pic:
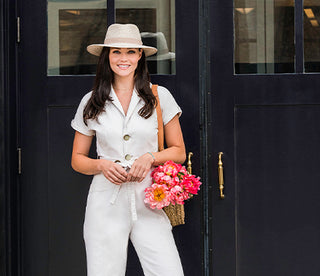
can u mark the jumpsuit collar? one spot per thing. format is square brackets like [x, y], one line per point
[135, 98]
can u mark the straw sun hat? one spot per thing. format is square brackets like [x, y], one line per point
[159, 41]
[122, 36]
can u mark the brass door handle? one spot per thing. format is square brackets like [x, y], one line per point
[189, 163]
[220, 172]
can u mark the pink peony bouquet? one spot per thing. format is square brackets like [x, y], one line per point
[171, 183]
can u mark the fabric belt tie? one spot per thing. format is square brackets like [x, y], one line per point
[131, 194]
[115, 193]
[132, 201]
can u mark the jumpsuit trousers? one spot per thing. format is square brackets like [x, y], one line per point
[117, 213]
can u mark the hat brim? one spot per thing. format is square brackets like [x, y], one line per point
[95, 49]
[166, 56]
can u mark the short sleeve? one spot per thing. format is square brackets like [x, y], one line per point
[77, 123]
[169, 106]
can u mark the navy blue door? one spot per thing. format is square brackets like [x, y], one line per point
[53, 197]
[267, 126]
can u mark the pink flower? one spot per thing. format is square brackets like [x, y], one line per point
[157, 170]
[183, 170]
[178, 195]
[157, 196]
[171, 184]
[191, 183]
[171, 168]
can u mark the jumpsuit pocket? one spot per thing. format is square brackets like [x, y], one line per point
[100, 192]
[98, 208]
[101, 183]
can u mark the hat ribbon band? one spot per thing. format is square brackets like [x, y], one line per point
[122, 40]
[162, 52]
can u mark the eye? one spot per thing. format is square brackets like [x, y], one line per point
[116, 52]
[131, 51]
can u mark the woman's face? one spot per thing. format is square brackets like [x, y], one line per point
[124, 61]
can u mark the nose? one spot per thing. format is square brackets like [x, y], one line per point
[123, 56]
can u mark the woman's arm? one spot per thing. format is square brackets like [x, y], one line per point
[80, 161]
[175, 151]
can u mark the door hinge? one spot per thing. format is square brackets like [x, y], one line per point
[18, 29]
[19, 161]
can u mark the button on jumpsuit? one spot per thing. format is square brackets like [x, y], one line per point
[116, 213]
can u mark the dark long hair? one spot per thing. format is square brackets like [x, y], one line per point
[102, 87]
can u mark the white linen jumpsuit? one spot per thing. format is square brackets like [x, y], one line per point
[115, 213]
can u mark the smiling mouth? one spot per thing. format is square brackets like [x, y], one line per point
[123, 66]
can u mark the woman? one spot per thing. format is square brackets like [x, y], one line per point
[120, 112]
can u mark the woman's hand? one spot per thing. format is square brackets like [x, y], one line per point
[113, 171]
[140, 168]
[82, 163]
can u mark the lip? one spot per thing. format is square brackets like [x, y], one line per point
[123, 66]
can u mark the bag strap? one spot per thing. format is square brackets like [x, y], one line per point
[159, 117]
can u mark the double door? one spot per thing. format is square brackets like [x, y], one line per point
[262, 114]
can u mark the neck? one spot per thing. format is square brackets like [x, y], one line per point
[123, 84]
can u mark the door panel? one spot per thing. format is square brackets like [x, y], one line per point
[53, 196]
[66, 197]
[276, 187]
